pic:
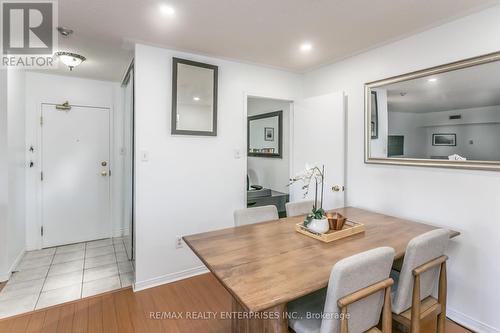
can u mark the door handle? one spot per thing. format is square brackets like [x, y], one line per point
[104, 173]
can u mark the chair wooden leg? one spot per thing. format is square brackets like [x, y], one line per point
[415, 307]
[442, 299]
[387, 312]
[343, 320]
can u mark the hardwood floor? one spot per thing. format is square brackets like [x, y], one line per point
[126, 311]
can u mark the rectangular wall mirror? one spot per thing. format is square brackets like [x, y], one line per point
[445, 116]
[265, 134]
[194, 98]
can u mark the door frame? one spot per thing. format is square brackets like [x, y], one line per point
[38, 184]
[126, 79]
[291, 101]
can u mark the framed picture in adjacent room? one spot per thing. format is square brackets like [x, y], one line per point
[268, 134]
[444, 139]
[271, 125]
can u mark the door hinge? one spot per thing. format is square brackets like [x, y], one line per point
[41, 230]
[41, 120]
[41, 176]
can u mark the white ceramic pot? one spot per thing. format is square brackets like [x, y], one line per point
[320, 226]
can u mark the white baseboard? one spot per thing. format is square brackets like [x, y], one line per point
[120, 232]
[4, 276]
[141, 285]
[470, 323]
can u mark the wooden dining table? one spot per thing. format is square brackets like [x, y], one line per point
[266, 265]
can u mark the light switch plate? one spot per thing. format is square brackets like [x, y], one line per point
[144, 155]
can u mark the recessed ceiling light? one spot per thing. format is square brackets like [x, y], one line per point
[167, 10]
[432, 79]
[196, 98]
[306, 47]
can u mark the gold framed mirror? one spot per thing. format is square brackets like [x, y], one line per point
[446, 116]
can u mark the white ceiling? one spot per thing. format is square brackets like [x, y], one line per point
[471, 87]
[267, 32]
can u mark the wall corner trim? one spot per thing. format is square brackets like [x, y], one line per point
[4, 276]
[470, 323]
[168, 278]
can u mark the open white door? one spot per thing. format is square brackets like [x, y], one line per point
[75, 169]
[319, 139]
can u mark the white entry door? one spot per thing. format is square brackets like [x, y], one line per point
[319, 139]
[75, 174]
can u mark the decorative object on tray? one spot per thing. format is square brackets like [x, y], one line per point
[350, 228]
[316, 221]
[336, 220]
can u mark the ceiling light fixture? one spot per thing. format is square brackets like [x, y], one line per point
[167, 10]
[306, 47]
[196, 98]
[70, 59]
[432, 79]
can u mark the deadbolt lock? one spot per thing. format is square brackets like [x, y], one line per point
[104, 163]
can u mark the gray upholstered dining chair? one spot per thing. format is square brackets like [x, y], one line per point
[299, 207]
[359, 286]
[423, 267]
[255, 215]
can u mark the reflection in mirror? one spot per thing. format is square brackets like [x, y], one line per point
[446, 115]
[265, 134]
[194, 100]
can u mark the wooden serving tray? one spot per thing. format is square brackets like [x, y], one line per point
[350, 228]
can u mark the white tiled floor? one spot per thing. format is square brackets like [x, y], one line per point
[52, 276]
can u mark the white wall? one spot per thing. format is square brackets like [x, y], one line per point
[17, 165]
[480, 115]
[484, 147]
[409, 125]
[48, 88]
[4, 188]
[12, 171]
[464, 200]
[190, 184]
[273, 173]
[481, 125]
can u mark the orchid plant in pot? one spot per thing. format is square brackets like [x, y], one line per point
[316, 220]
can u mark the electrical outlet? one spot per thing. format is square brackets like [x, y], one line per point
[178, 242]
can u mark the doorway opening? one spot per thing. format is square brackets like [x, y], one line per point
[78, 211]
[268, 152]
